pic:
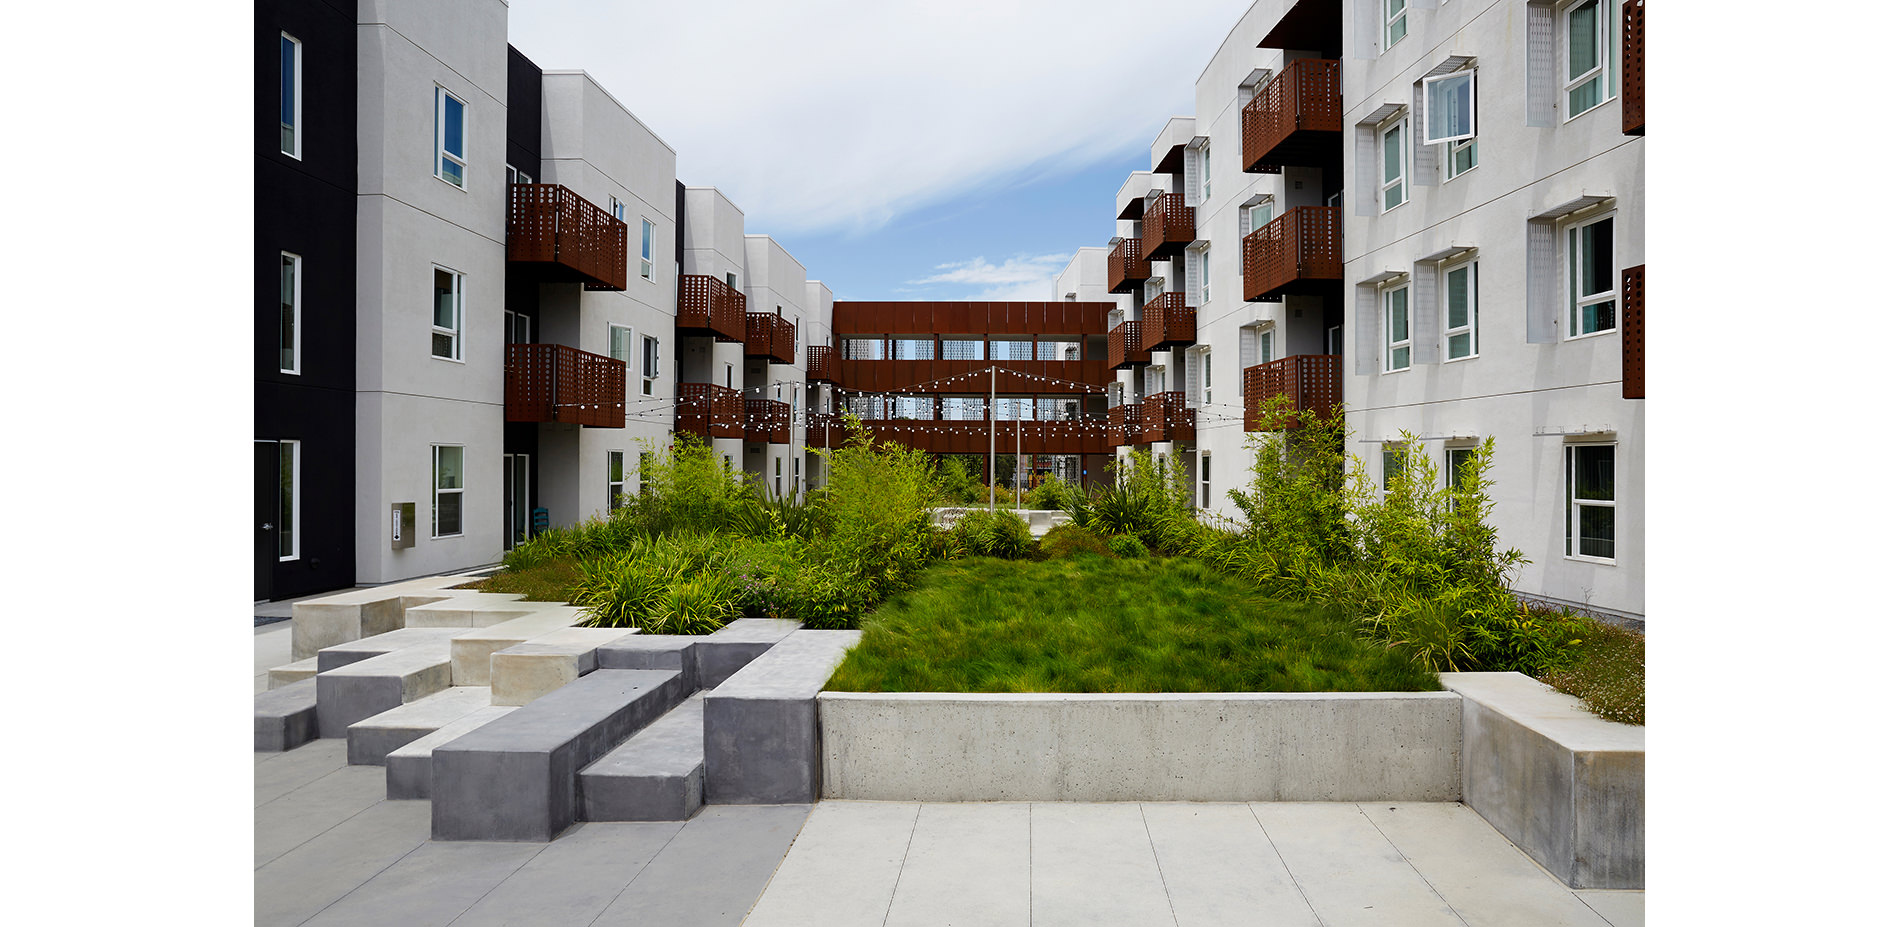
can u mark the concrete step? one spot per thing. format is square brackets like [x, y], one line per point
[705, 660]
[407, 768]
[469, 610]
[371, 739]
[286, 717]
[470, 650]
[659, 774]
[349, 694]
[762, 724]
[291, 672]
[358, 613]
[541, 664]
[515, 778]
[355, 651]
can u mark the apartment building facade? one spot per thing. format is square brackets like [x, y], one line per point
[1433, 213]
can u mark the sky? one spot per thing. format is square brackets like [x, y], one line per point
[900, 150]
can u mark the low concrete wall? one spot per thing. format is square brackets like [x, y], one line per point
[928, 746]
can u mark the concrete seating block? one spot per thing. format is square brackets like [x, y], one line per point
[358, 613]
[762, 724]
[515, 778]
[376, 645]
[657, 775]
[1561, 783]
[654, 651]
[349, 694]
[407, 768]
[729, 649]
[291, 672]
[470, 650]
[371, 739]
[533, 668]
[286, 717]
[468, 610]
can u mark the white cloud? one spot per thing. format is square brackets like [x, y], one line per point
[839, 115]
[1012, 273]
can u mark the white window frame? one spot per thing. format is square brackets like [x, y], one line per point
[1400, 124]
[296, 96]
[649, 376]
[620, 344]
[1206, 479]
[1470, 267]
[1469, 75]
[517, 175]
[1207, 377]
[1451, 467]
[1207, 275]
[646, 249]
[436, 490]
[296, 314]
[616, 489]
[1606, 33]
[1266, 345]
[1573, 272]
[1391, 464]
[442, 96]
[1385, 325]
[296, 500]
[1573, 507]
[1453, 150]
[1207, 173]
[458, 291]
[618, 208]
[1386, 41]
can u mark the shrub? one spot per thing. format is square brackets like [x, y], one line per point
[1001, 533]
[1606, 670]
[876, 511]
[1127, 546]
[1051, 493]
[958, 480]
[1149, 498]
[669, 585]
[1064, 542]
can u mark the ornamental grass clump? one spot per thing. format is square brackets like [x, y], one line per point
[1149, 498]
[1001, 533]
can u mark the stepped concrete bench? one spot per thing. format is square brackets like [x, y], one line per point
[358, 613]
[761, 740]
[406, 770]
[286, 717]
[470, 650]
[657, 775]
[1561, 783]
[540, 665]
[344, 654]
[471, 610]
[350, 693]
[291, 672]
[516, 777]
[704, 661]
[371, 739]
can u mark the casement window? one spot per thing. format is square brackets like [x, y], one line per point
[290, 313]
[1398, 327]
[1207, 277]
[445, 324]
[290, 95]
[1394, 163]
[620, 344]
[1461, 310]
[1455, 459]
[649, 364]
[445, 510]
[616, 479]
[646, 249]
[1590, 501]
[618, 208]
[451, 138]
[1589, 256]
[1585, 29]
[1207, 172]
[1394, 23]
[778, 477]
[289, 492]
[517, 327]
[798, 334]
[1266, 345]
[516, 175]
[1207, 479]
[1451, 118]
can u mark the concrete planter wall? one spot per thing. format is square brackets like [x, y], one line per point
[1167, 747]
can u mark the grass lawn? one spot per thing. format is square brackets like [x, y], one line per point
[553, 581]
[1095, 624]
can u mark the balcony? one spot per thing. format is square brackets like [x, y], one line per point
[1127, 271]
[1295, 120]
[709, 307]
[710, 411]
[1124, 426]
[1124, 346]
[556, 383]
[1167, 227]
[1166, 417]
[972, 436]
[565, 237]
[769, 336]
[1166, 322]
[1298, 252]
[768, 421]
[821, 364]
[1310, 382]
[1632, 86]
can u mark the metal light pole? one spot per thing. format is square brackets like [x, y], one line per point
[992, 437]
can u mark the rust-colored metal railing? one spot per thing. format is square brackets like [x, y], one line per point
[1127, 270]
[1166, 417]
[1310, 382]
[1295, 120]
[767, 335]
[554, 228]
[710, 411]
[1166, 322]
[821, 363]
[1299, 247]
[1167, 227]
[1124, 346]
[768, 421]
[1124, 425]
[557, 383]
[1632, 88]
[708, 306]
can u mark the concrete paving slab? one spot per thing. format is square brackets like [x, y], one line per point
[842, 870]
[287, 772]
[429, 887]
[1221, 870]
[408, 769]
[535, 667]
[296, 886]
[284, 823]
[467, 609]
[470, 650]
[1621, 909]
[272, 648]
[657, 775]
[574, 878]
[966, 864]
[279, 676]
[356, 651]
[742, 844]
[349, 694]
[371, 739]
[1487, 880]
[1347, 870]
[1093, 864]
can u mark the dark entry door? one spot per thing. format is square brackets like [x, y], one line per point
[264, 518]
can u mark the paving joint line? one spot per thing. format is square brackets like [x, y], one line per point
[781, 860]
[892, 901]
[1361, 807]
[320, 833]
[372, 878]
[1283, 864]
[1141, 808]
[636, 873]
[491, 889]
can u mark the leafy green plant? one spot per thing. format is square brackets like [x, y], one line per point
[1127, 546]
[675, 584]
[957, 476]
[1049, 494]
[1001, 533]
[1605, 669]
[1149, 498]
[1064, 542]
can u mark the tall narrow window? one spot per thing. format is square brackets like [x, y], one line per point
[290, 96]
[646, 470]
[649, 364]
[1461, 311]
[1207, 378]
[620, 344]
[1266, 346]
[445, 332]
[289, 487]
[1207, 480]
[646, 249]
[1207, 172]
[1586, 33]
[1590, 509]
[1455, 460]
[1589, 253]
[616, 479]
[290, 313]
[451, 138]
[1391, 464]
[1394, 22]
[1398, 329]
[446, 510]
[618, 208]
[1393, 169]
[1207, 278]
